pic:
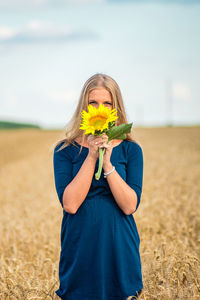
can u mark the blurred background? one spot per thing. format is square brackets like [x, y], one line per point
[49, 48]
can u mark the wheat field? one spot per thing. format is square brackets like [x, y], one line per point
[167, 219]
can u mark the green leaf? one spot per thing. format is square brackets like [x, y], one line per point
[119, 132]
[121, 137]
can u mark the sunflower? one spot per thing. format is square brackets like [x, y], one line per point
[97, 119]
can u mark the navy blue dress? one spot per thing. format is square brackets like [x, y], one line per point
[99, 258]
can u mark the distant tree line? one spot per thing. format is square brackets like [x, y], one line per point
[16, 125]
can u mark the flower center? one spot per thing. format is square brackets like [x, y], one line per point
[98, 121]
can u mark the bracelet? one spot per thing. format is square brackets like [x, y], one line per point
[108, 173]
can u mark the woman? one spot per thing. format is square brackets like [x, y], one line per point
[99, 258]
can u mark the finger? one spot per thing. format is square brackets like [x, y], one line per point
[104, 136]
[93, 138]
[90, 137]
[103, 140]
[104, 146]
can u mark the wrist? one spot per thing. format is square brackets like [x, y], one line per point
[107, 167]
[91, 158]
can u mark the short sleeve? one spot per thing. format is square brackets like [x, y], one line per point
[134, 176]
[62, 164]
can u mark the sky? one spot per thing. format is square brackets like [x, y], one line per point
[49, 48]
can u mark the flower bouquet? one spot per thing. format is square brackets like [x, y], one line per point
[102, 120]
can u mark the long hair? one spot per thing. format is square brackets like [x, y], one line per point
[98, 80]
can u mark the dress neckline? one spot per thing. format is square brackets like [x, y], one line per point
[88, 148]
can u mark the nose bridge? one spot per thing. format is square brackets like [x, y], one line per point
[98, 103]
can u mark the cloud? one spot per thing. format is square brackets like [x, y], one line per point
[9, 100]
[6, 32]
[16, 5]
[63, 96]
[42, 32]
[157, 1]
[29, 4]
[181, 91]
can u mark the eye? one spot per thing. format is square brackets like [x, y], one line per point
[104, 103]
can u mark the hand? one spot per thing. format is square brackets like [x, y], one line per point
[94, 148]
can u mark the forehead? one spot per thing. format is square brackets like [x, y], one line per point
[99, 93]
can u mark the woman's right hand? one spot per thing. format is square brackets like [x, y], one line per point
[93, 147]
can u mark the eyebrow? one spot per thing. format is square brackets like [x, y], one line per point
[104, 101]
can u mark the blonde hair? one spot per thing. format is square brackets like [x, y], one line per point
[98, 80]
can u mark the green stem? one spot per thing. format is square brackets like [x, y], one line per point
[101, 154]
